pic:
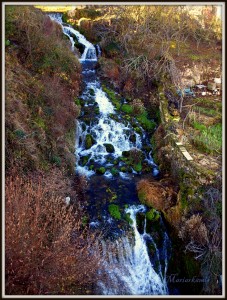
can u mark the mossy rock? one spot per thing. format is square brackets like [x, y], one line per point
[100, 170]
[114, 211]
[123, 169]
[152, 215]
[128, 218]
[114, 171]
[140, 221]
[89, 141]
[83, 126]
[132, 138]
[137, 167]
[91, 167]
[138, 130]
[84, 159]
[97, 111]
[91, 92]
[125, 153]
[109, 148]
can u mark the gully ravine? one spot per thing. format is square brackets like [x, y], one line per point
[136, 250]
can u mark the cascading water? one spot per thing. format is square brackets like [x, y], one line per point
[130, 268]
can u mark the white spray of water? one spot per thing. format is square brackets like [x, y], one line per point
[128, 266]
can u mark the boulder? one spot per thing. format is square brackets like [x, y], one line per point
[109, 148]
[89, 141]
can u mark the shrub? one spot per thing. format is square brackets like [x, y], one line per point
[194, 231]
[47, 251]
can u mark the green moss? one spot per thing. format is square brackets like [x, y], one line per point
[77, 101]
[101, 170]
[137, 167]
[123, 169]
[114, 211]
[126, 108]
[152, 215]
[145, 122]
[89, 141]
[114, 171]
[109, 147]
[127, 218]
[142, 197]
[85, 159]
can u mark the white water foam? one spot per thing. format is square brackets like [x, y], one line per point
[128, 267]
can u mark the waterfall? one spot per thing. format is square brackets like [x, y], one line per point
[89, 51]
[128, 266]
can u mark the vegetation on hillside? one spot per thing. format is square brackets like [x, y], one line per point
[47, 249]
[42, 81]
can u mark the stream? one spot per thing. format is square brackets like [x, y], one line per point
[136, 249]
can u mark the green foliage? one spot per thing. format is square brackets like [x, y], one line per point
[152, 215]
[207, 111]
[77, 101]
[126, 108]
[147, 124]
[114, 211]
[210, 138]
[137, 167]
[9, 22]
[199, 126]
[112, 96]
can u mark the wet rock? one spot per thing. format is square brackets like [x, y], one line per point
[101, 171]
[140, 221]
[109, 148]
[84, 160]
[132, 138]
[89, 141]
[125, 153]
[114, 171]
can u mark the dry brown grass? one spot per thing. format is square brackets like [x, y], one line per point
[46, 249]
[158, 195]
